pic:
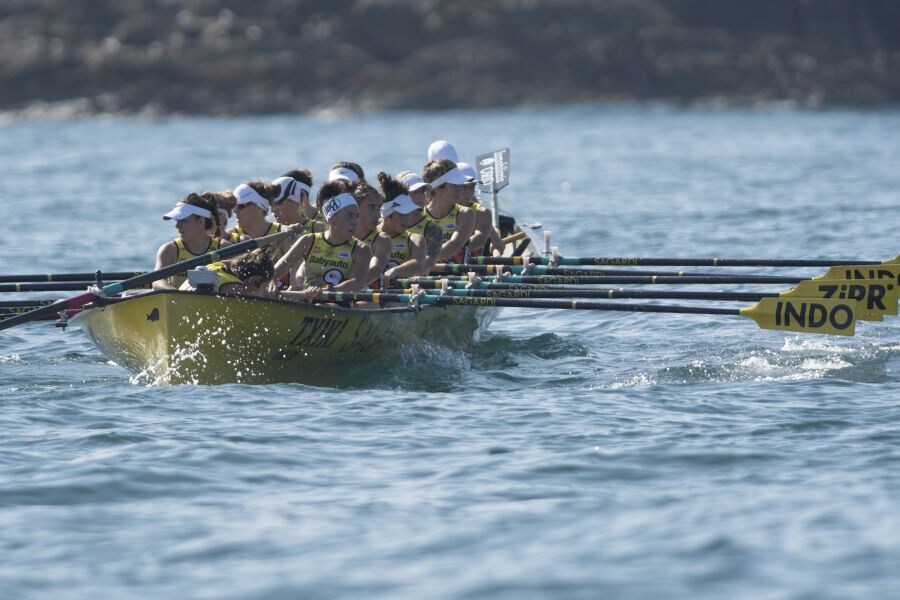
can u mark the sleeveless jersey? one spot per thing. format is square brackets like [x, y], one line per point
[328, 264]
[447, 223]
[399, 250]
[235, 236]
[373, 235]
[185, 254]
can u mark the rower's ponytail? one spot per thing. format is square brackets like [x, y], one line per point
[390, 187]
[267, 190]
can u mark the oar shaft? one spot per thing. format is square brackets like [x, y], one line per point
[524, 292]
[524, 303]
[450, 268]
[57, 277]
[34, 302]
[624, 280]
[145, 278]
[45, 287]
[624, 261]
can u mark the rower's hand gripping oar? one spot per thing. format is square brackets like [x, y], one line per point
[145, 278]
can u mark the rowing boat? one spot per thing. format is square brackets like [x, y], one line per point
[187, 337]
[191, 337]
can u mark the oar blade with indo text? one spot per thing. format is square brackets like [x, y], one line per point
[805, 315]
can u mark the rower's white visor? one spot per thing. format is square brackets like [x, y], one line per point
[247, 195]
[183, 211]
[402, 204]
[468, 172]
[454, 177]
[412, 181]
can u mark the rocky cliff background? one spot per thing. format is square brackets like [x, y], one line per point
[275, 56]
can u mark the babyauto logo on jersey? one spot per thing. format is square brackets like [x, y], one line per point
[325, 262]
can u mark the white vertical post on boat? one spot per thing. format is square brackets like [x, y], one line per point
[493, 175]
[546, 242]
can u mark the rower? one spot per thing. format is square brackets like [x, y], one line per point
[247, 275]
[290, 206]
[484, 218]
[253, 200]
[416, 222]
[407, 250]
[346, 170]
[457, 223]
[333, 260]
[370, 202]
[193, 217]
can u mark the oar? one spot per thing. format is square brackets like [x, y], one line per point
[807, 315]
[624, 279]
[452, 268]
[145, 278]
[48, 287]
[9, 312]
[33, 302]
[875, 299]
[485, 290]
[79, 277]
[623, 261]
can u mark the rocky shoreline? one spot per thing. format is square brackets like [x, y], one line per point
[276, 56]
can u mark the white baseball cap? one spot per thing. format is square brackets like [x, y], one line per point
[442, 149]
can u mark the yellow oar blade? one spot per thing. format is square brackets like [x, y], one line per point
[805, 315]
[893, 261]
[875, 298]
[885, 271]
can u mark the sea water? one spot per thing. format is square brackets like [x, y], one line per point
[567, 455]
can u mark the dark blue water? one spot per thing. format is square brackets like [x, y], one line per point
[567, 455]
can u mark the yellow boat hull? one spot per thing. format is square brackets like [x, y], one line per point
[183, 337]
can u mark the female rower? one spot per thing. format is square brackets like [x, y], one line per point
[246, 275]
[298, 206]
[484, 218]
[193, 217]
[407, 250]
[457, 223]
[253, 202]
[346, 170]
[370, 202]
[416, 222]
[333, 260]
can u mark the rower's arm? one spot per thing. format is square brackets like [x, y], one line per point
[416, 262]
[465, 226]
[434, 239]
[165, 256]
[295, 255]
[362, 254]
[483, 227]
[381, 250]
